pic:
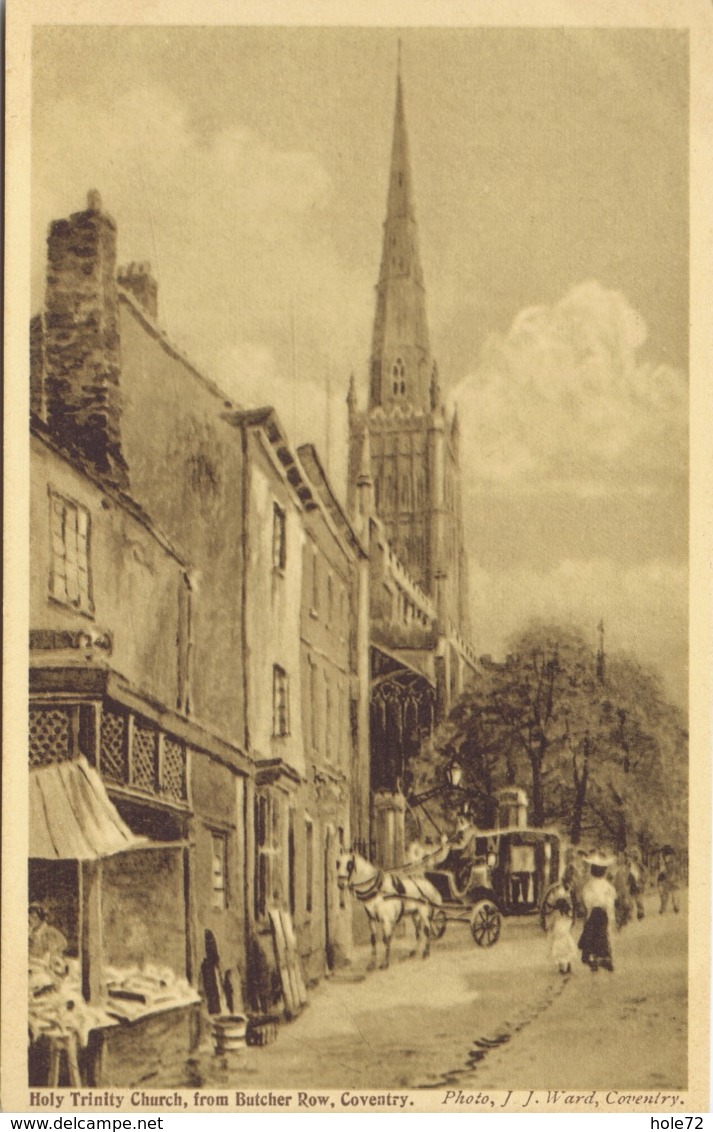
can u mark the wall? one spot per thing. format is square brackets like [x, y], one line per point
[185, 464]
[330, 698]
[135, 580]
[218, 797]
[132, 883]
[273, 608]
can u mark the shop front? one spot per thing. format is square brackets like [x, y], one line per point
[110, 997]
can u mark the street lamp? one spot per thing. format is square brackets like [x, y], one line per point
[454, 773]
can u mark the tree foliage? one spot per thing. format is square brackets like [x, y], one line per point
[601, 752]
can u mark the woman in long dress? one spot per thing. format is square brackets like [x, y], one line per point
[599, 899]
[562, 947]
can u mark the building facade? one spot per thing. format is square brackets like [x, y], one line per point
[404, 485]
[218, 679]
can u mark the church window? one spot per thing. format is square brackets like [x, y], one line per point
[398, 372]
[405, 491]
[280, 702]
[403, 387]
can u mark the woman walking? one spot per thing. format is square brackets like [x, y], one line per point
[562, 946]
[599, 899]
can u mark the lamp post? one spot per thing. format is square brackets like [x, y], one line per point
[454, 775]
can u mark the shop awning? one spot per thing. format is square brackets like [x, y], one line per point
[72, 816]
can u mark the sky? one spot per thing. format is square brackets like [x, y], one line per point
[550, 169]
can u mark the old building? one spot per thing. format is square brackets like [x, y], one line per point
[113, 389]
[111, 751]
[265, 810]
[404, 472]
[335, 692]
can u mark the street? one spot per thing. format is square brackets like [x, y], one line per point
[498, 1018]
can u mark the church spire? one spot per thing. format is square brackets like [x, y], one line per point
[400, 353]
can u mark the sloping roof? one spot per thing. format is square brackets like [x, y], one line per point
[72, 816]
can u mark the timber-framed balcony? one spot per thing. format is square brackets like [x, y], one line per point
[131, 751]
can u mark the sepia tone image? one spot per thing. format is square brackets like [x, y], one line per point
[358, 568]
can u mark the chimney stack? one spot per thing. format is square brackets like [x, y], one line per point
[81, 341]
[137, 279]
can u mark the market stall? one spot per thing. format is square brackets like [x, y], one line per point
[107, 939]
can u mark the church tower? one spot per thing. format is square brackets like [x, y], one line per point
[414, 447]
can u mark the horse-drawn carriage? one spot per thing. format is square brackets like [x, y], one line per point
[476, 878]
[494, 873]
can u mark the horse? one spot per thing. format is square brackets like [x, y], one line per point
[387, 897]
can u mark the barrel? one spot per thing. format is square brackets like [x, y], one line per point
[229, 1032]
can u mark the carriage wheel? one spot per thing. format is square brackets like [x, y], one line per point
[554, 893]
[438, 924]
[485, 923]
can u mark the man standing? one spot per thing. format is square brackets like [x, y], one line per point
[668, 879]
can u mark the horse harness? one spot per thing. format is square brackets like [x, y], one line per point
[375, 884]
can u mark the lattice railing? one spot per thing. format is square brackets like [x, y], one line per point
[174, 769]
[50, 735]
[144, 755]
[132, 751]
[114, 752]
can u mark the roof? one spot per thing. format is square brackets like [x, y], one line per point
[266, 419]
[41, 431]
[309, 458]
[72, 817]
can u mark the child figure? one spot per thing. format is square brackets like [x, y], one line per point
[562, 947]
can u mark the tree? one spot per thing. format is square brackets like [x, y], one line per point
[600, 750]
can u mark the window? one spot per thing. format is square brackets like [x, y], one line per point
[279, 542]
[398, 371]
[70, 582]
[267, 843]
[280, 701]
[219, 845]
[291, 862]
[309, 863]
[313, 702]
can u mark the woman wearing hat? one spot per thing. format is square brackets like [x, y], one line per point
[599, 899]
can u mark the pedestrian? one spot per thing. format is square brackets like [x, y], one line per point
[636, 878]
[562, 946]
[599, 899]
[667, 881]
[46, 944]
[620, 878]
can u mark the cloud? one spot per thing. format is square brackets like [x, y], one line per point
[251, 286]
[644, 608]
[565, 401]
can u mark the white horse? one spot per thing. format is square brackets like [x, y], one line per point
[387, 896]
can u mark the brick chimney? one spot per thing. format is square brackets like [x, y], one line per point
[137, 279]
[81, 340]
[38, 398]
